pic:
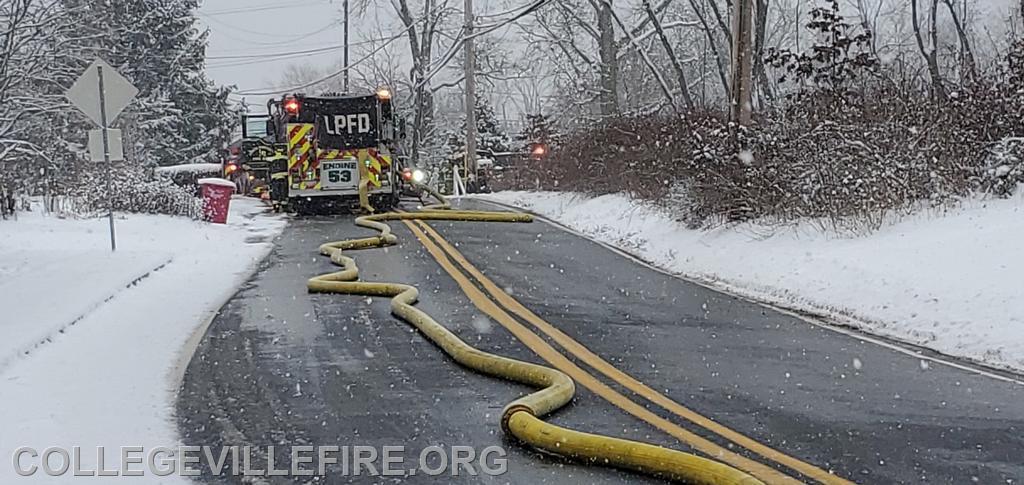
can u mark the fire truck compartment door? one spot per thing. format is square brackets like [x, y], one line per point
[341, 173]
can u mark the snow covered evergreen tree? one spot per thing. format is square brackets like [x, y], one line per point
[491, 138]
[538, 130]
[180, 116]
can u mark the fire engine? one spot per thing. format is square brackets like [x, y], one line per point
[339, 151]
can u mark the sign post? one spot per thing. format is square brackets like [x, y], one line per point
[106, 155]
[101, 93]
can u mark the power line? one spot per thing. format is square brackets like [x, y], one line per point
[276, 54]
[336, 73]
[259, 8]
[459, 42]
[500, 14]
[234, 27]
[286, 40]
[260, 61]
[244, 60]
[447, 58]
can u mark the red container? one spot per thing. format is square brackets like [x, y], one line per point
[216, 199]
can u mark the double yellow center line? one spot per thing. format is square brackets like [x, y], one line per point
[444, 253]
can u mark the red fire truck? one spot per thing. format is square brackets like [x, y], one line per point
[340, 151]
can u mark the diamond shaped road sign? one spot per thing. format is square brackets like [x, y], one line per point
[85, 93]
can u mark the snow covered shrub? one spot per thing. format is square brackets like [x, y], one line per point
[1004, 168]
[845, 157]
[135, 191]
[639, 155]
[847, 168]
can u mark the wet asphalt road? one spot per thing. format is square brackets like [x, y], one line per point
[281, 367]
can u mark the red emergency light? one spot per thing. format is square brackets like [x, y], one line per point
[291, 105]
[538, 150]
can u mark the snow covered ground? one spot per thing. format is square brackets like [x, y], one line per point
[92, 344]
[951, 282]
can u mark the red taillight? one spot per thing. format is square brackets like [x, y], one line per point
[230, 168]
[539, 150]
[407, 175]
[291, 106]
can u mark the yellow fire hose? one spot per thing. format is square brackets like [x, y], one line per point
[520, 418]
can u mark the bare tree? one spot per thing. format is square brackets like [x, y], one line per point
[646, 58]
[676, 65]
[713, 43]
[930, 55]
[33, 34]
[585, 54]
[969, 65]
[760, 29]
[422, 32]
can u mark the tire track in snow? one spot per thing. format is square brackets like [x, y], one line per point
[26, 351]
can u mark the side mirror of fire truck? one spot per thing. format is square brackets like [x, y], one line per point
[401, 128]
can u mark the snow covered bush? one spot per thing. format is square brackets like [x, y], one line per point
[638, 155]
[1003, 171]
[1004, 168]
[779, 170]
[843, 157]
[843, 163]
[135, 191]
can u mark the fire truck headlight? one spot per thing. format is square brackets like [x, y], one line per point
[418, 176]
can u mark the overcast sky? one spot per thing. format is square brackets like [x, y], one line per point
[241, 28]
[245, 35]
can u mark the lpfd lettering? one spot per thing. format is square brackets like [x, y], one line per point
[352, 123]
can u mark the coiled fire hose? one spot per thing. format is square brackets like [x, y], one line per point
[520, 418]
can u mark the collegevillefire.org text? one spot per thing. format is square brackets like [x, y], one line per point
[299, 461]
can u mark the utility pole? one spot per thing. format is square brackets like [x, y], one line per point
[345, 78]
[742, 52]
[470, 96]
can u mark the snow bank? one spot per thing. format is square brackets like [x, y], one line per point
[216, 181]
[950, 282]
[190, 168]
[105, 332]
